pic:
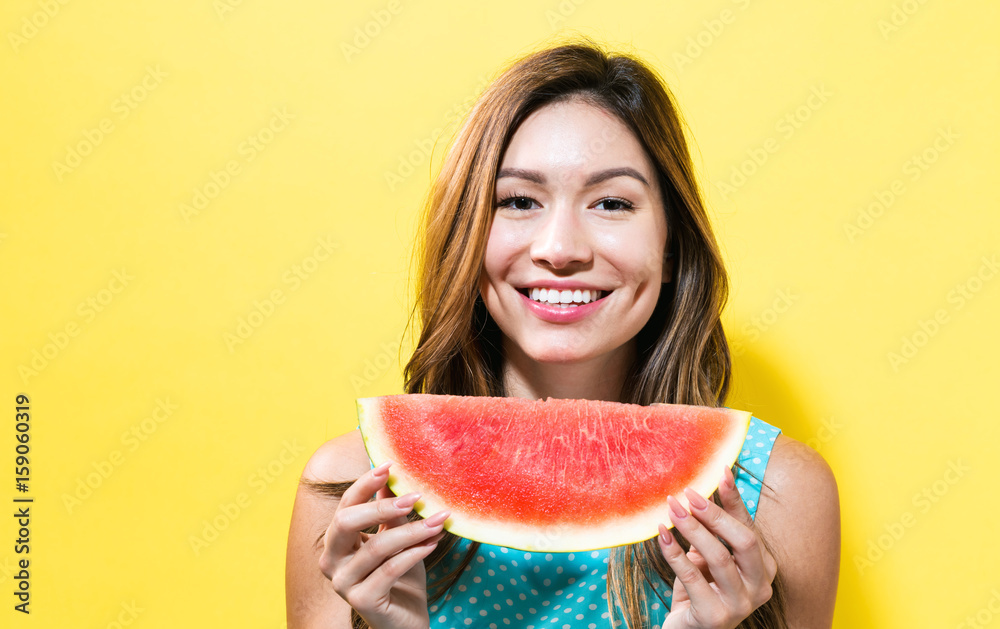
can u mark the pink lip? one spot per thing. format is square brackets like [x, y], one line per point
[556, 314]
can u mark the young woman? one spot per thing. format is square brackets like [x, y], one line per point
[567, 253]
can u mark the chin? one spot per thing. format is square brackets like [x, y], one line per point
[559, 356]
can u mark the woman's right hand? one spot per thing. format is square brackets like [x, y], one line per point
[381, 575]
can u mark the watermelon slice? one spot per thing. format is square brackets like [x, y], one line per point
[554, 475]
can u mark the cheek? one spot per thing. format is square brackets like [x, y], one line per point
[637, 255]
[492, 264]
[495, 267]
[502, 249]
[654, 250]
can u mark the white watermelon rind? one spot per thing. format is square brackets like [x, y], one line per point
[558, 537]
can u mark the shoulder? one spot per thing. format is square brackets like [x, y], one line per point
[796, 471]
[334, 464]
[800, 511]
[309, 598]
[801, 495]
[340, 459]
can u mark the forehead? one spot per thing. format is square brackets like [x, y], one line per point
[574, 136]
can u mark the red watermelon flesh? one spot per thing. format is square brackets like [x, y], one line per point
[557, 475]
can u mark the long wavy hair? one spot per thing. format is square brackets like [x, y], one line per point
[682, 356]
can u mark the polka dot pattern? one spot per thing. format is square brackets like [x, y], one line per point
[504, 587]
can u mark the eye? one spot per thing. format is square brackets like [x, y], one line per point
[615, 204]
[518, 202]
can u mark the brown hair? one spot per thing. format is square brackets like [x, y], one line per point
[681, 354]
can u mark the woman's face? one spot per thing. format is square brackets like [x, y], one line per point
[575, 257]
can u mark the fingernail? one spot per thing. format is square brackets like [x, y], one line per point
[676, 509]
[727, 479]
[665, 536]
[696, 499]
[437, 519]
[406, 502]
[381, 469]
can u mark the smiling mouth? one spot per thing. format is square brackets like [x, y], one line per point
[563, 298]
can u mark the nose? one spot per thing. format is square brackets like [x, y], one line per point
[561, 240]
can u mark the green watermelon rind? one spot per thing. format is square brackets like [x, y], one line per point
[559, 536]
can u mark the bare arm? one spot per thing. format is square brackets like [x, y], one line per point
[801, 521]
[310, 599]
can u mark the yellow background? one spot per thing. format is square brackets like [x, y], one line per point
[817, 310]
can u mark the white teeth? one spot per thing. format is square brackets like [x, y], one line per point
[563, 297]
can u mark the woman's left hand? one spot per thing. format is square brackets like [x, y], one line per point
[716, 588]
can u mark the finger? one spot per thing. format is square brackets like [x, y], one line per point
[731, 500]
[699, 561]
[380, 582]
[679, 594]
[342, 534]
[383, 546]
[355, 513]
[374, 513]
[700, 527]
[742, 574]
[696, 588]
[733, 503]
[365, 487]
[385, 494]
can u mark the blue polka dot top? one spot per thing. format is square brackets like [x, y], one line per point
[503, 587]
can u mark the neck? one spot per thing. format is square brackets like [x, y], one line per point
[601, 378]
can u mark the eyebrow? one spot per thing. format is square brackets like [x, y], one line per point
[593, 180]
